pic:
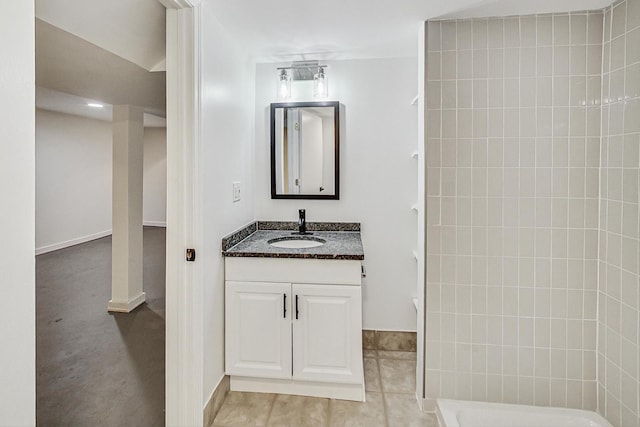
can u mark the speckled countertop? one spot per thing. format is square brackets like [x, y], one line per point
[252, 241]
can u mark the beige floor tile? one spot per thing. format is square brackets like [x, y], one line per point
[371, 375]
[245, 410]
[398, 376]
[396, 341]
[370, 353]
[404, 355]
[343, 413]
[432, 420]
[369, 339]
[403, 411]
[299, 411]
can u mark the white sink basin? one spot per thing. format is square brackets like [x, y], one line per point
[297, 242]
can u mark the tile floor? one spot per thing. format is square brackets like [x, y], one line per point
[390, 387]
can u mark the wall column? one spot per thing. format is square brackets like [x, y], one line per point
[17, 216]
[127, 256]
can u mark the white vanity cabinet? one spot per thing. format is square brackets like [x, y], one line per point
[294, 326]
[324, 339]
[258, 329]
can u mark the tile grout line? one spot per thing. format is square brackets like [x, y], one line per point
[382, 392]
[273, 403]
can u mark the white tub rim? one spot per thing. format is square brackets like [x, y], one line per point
[448, 418]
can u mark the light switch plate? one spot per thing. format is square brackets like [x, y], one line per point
[236, 191]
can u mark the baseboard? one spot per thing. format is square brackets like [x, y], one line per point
[429, 405]
[72, 242]
[354, 392]
[154, 223]
[126, 306]
[90, 237]
[391, 330]
[420, 401]
[215, 401]
[389, 340]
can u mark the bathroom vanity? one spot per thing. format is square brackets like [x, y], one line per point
[294, 314]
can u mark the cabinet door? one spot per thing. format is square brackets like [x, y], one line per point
[327, 334]
[258, 329]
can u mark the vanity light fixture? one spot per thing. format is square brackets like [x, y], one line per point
[284, 85]
[303, 70]
[320, 84]
[94, 105]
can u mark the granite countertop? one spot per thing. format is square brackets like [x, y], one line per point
[342, 241]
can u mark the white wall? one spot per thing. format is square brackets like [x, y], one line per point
[226, 157]
[154, 208]
[378, 177]
[73, 179]
[17, 263]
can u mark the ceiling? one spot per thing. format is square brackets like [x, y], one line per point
[486, 8]
[278, 30]
[282, 30]
[131, 29]
[285, 30]
[68, 64]
[114, 51]
[110, 52]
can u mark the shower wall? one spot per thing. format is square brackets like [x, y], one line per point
[619, 220]
[513, 147]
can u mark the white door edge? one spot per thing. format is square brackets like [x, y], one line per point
[184, 326]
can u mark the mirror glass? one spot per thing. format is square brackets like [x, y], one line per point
[305, 150]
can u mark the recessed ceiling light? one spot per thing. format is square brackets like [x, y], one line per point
[94, 105]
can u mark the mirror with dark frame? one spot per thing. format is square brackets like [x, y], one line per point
[305, 150]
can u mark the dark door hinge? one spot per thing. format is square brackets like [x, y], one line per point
[191, 254]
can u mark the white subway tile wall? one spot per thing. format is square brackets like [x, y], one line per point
[513, 154]
[619, 255]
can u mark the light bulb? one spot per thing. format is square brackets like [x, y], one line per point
[284, 85]
[320, 84]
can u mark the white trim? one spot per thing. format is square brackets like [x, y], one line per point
[420, 402]
[180, 4]
[389, 330]
[184, 302]
[154, 223]
[303, 388]
[421, 242]
[126, 306]
[291, 270]
[84, 239]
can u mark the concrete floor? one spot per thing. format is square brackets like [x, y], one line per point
[95, 368]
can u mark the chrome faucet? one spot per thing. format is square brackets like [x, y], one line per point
[302, 221]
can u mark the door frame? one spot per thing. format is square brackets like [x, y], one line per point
[184, 287]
